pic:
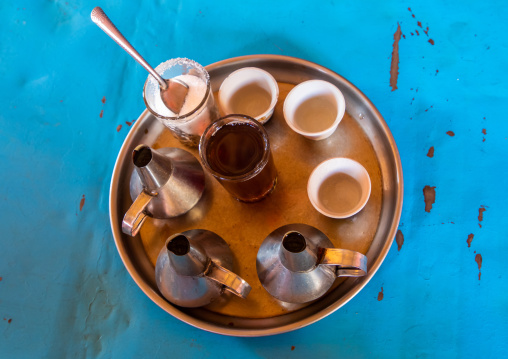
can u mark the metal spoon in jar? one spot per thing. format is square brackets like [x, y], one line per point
[173, 91]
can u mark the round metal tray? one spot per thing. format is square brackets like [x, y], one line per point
[362, 135]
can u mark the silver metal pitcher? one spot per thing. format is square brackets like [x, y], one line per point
[165, 183]
[195, 267]
[297, 263]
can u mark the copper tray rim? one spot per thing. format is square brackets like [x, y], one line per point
[239, 332]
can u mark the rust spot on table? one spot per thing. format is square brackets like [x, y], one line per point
[480, 215]
[429, 195]
[478, 259]
[399, 238]
[470, 239]
[394, 67]
[450, 133]
[380, 295]
[81, 203]
[431, 152]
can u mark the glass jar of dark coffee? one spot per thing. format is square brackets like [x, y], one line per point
[236, 151]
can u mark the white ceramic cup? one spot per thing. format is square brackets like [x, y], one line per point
[249, 91]
[339, 187]
[314, 109]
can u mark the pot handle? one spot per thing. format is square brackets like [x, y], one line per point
[231, 282]
[136, 214]
[348, 263]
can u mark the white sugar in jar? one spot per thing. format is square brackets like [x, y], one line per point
[199, 109]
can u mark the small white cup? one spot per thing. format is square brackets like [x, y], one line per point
[314, 109]
[339, 187]
[249, 91]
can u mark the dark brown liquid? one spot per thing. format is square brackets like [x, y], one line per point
[235, 150]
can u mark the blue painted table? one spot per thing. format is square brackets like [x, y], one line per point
[435, 70]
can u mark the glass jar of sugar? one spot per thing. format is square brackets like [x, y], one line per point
[199, 109]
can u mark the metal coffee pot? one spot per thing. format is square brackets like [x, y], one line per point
[297, 263]
[194, 268]
[165, 183]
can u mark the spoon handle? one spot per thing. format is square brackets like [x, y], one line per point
[101, 19]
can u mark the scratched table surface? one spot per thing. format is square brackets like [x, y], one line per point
[436, 70]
